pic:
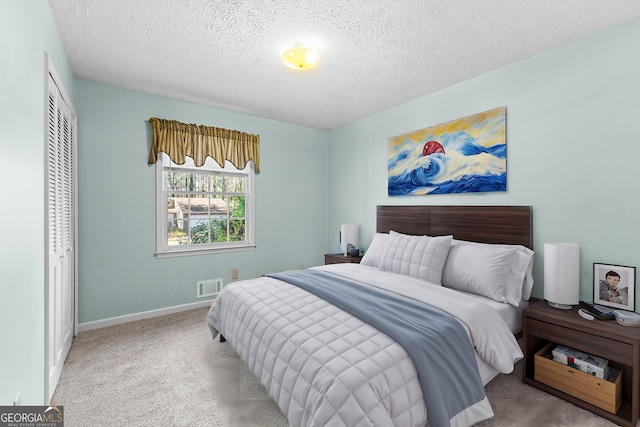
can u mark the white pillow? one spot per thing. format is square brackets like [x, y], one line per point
[521, 278]
[376, 249]
[422, 257]
[528, 277]
[522, 275]
[482, 269]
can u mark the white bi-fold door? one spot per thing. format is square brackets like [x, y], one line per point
[60, 215]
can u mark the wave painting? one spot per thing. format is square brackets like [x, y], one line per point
[461, 156]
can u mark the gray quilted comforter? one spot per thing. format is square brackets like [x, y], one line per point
[325, 367]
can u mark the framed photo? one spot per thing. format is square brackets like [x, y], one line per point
[614, 286]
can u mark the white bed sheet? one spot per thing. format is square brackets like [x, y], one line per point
[511, 315]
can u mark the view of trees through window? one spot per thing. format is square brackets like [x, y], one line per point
[204, 207]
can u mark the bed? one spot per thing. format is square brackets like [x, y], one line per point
[408, 337]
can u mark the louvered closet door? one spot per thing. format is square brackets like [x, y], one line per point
[60, 286]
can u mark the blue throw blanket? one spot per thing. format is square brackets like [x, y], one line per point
[435, 341]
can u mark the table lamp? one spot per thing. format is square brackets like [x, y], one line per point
[562, 274]
[349, 234]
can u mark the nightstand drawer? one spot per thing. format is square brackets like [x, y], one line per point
[605, 347]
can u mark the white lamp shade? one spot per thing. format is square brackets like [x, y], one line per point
[349, 233]
[562, 274]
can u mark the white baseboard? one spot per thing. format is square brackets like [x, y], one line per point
[87, 326]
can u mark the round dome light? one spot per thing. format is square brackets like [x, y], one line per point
[300, 58]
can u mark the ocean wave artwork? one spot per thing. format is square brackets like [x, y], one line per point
[461, 156]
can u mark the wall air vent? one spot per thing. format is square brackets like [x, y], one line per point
[208, 288]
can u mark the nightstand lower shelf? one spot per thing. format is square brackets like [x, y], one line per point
[543, 324]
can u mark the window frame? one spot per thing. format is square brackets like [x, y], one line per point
[162, 248]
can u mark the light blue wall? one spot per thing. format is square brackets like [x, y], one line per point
[572, 117]
[573, 146]
[119, 273]
[27, 31]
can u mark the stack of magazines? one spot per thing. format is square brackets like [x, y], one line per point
[592, 365]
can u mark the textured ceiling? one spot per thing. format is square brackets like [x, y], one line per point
[374, 54]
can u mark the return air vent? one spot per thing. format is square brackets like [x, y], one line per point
[209, 288]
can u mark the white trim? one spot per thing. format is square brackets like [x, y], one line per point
[203, 251]
[51, 69]
[112, 321]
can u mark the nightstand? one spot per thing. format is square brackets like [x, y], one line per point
[341, 259]
[543, 324]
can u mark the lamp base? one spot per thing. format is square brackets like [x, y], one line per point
[560, 306]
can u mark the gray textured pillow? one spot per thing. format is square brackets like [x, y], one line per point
[422, 257]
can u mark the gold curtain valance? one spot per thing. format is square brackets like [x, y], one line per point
[180, 140]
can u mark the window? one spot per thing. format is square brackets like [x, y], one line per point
[203, 209]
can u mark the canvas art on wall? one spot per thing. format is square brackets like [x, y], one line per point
[461, 156]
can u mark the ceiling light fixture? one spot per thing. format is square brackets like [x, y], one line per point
[300, 58]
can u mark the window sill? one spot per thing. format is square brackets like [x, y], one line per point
[171, 253]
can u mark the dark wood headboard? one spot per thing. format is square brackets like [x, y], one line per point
[487, 224]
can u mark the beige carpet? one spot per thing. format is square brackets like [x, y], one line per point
[167, 371]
